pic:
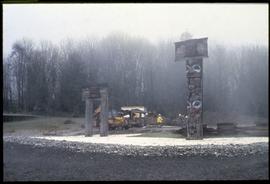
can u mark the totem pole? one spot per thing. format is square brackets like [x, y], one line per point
[192, 51]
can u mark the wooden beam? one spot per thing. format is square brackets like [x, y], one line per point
[104, 127]
[88, 117]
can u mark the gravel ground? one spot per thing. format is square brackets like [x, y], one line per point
[28, 159]
[227, 150]
[137, 140]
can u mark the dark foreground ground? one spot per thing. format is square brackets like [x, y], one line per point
[28, 163]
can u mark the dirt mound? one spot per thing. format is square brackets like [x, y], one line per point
[69, 122]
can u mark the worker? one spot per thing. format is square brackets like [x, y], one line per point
[159, 120]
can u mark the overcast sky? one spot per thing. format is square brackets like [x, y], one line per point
[227, 23]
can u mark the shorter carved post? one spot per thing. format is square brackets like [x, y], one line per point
[104, 128]
[88, 117]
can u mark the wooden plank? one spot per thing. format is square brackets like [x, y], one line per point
[88, 117]
[104, 127]
[94, 92]
[91, 92]
[193, 48]
[85, 94]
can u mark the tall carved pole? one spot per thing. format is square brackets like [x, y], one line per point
[193, 51]
[104, 127]
[194, 99]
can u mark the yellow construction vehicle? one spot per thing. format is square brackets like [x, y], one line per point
[118, 121]
[115, 121]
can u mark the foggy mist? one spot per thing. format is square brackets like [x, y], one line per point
[49, 78]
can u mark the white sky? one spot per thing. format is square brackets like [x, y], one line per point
[227, 23]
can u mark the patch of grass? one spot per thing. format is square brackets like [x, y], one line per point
[68, 121]
[11, 131]
[43, 124]
[51, 130]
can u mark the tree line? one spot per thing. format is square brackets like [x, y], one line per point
[48, 79]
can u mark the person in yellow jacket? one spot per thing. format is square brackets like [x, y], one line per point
[159, 119]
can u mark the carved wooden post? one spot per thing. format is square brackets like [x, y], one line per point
[104, 112]
[194, 99]
[86, 96]
[88, 117]
[192, 51]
